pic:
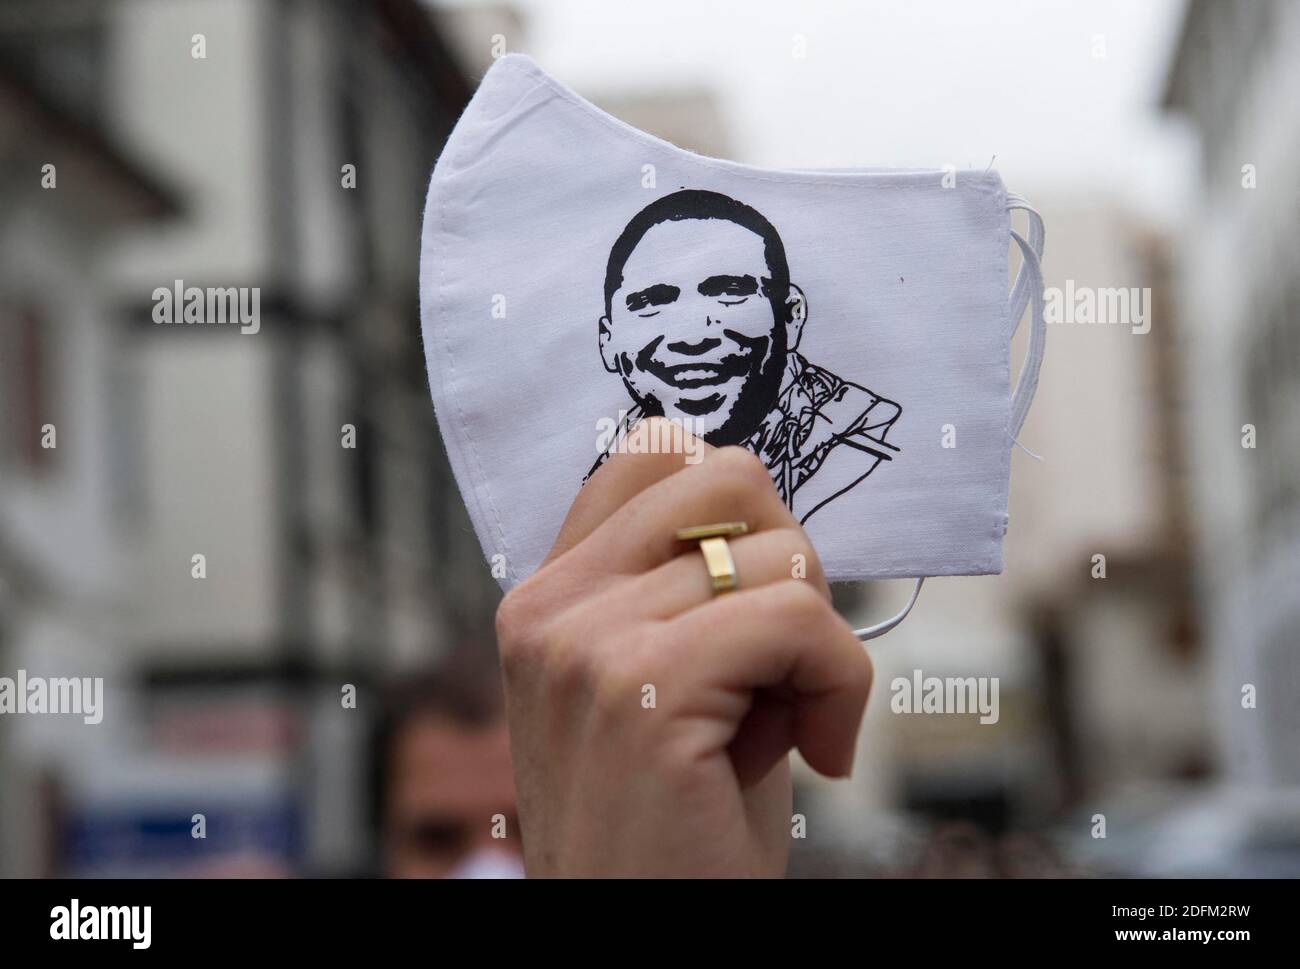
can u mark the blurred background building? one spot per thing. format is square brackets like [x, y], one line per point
[1236, 76]
[293, 156]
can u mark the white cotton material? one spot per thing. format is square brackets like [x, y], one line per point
[870, 372]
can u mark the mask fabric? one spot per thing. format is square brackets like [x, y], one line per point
[851, 328]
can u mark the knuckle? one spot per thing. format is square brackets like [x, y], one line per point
[515, 620]
[524, 625]
[568, 659]
[622, 673]
[794, 540]
[804, 607]
[553, 657]
[571, 643]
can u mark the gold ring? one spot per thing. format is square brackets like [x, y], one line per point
[716, 552]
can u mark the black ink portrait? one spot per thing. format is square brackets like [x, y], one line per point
[702, 323]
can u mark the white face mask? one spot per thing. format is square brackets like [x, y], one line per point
[852, 328]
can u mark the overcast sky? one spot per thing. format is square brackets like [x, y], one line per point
[903, 83]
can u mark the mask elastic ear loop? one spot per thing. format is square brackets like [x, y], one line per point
[1028, 287]
[1020, 290]
[1031, 273]
[880, 628]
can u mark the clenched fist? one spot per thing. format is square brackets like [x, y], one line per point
[620, 613]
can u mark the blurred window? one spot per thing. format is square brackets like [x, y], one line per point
[24, 388]
[61, 55]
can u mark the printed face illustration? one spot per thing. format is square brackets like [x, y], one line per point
[703, 324]
[699, 321]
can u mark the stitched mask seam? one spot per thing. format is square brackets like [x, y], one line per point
[853, 180]
[469, 438]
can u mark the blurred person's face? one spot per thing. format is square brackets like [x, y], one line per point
[446, 784]
[694, 330]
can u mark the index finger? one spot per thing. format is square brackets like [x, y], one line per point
[654, 449]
